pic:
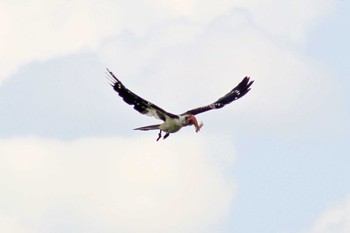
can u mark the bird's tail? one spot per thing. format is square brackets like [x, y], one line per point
[149, 127]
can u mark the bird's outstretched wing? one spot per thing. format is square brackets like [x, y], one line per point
[141, 105]
[240, 90]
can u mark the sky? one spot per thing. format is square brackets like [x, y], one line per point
[275, 161]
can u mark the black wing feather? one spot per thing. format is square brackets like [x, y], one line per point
[239, 91]
[141, 105]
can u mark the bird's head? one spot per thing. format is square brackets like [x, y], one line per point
[191, 120]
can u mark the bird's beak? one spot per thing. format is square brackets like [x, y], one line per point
[193, 120]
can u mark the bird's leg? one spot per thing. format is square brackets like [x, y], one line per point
[166, 135]
[159, 135]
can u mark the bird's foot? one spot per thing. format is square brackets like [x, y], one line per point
[166, 135]
[159, 135]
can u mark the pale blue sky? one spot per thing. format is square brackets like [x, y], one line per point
[275, 161]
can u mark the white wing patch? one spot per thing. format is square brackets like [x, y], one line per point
[152, 113]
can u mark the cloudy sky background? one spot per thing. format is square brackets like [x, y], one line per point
[276, 161]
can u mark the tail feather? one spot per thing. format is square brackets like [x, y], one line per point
[149, 127]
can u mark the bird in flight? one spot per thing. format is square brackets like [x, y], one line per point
[172, 122]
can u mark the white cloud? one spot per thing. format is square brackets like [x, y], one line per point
[289, 19]
[336, 219]
[11, 225]
[40, 30]
[112, 184]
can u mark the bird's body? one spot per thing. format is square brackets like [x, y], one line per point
[172, 125]
[173, 122]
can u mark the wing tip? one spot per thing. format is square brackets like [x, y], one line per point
[111, 75]
[247, 82]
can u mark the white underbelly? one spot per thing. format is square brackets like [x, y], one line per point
[171, 125]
